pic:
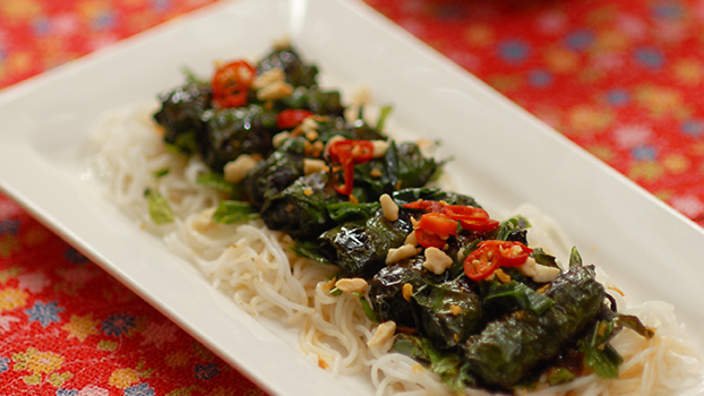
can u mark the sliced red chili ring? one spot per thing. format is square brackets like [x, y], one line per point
[479, 225]
[493, 253]
[291, 118]
[424, 205]
[481, 263]
[349, 153]
[428, 239]
[231, 83]
[438, 224]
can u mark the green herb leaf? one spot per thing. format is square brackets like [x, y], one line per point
[230, 212]
[599, 355]
[159, 209]
[161, 172]
[543, 258]
[191, 76]
[309, 249]
[345, 211]
[575, 258]
[448, 365]
[560, 375]
[335, 291]
[215, 181]
[511, 226]
[367, 308]
[384, 113]
[517, 294]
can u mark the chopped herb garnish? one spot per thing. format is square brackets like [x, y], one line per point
[161, 173]
[159, 209]
[230, 212]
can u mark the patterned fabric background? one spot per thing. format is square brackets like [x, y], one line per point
[623, 79]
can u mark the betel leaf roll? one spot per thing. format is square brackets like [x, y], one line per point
[287, 59]
[180, 116]
[274, 174]
[446, 313]
[360, 247]
[509, 348]
[301, 208]
[385, 293]
[403, 166]
[231, 132]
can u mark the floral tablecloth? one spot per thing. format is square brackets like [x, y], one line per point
[623, 79]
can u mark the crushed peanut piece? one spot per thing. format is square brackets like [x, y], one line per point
[455, 309]
[383, 333]
[282, 43]
[375, 173]
[275, 90]
[237, 170]
[280, 138]
[311, 135]
[436, 261]
[351, 285]
[353, 199]
[407, 291]
[380, 147]
[268, 77]
[414, 223]
[313, 166]
[204, 221]
[307, 191]
[316, 149]
[388, 207]
[503, 277]
[411, 239]
[539, 273]
[401, 253]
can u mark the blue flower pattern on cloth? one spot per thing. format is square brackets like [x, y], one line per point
[45, 314]
[142, 389]
[206, 371]
[118, 324]
[4, 364]
[514, 51]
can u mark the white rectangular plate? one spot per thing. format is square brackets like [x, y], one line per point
[503, 156]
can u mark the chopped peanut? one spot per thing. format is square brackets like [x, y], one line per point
[351, 285]
[539, 273]
[455, 309]
[282, 43]
[407, 291]
[313, 166]
[375, 173]
[401, 253]
[311, 135]
[237, 170]
[268, 77]
[383, 333]
[411, 239]
[436, 261]
[503, 277]
[280, 138]
[388, 207]
[380, 147]
[275, 90]
[307, 191]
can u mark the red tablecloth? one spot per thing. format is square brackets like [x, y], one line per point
[621, 78]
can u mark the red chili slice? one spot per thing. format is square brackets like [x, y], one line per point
[481, 263]
[349, 153]
[231, 83]
[427, 239]
[438, 224]
[424, 205]
[291, 118]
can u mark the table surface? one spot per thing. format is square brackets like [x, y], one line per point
[623, 79]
